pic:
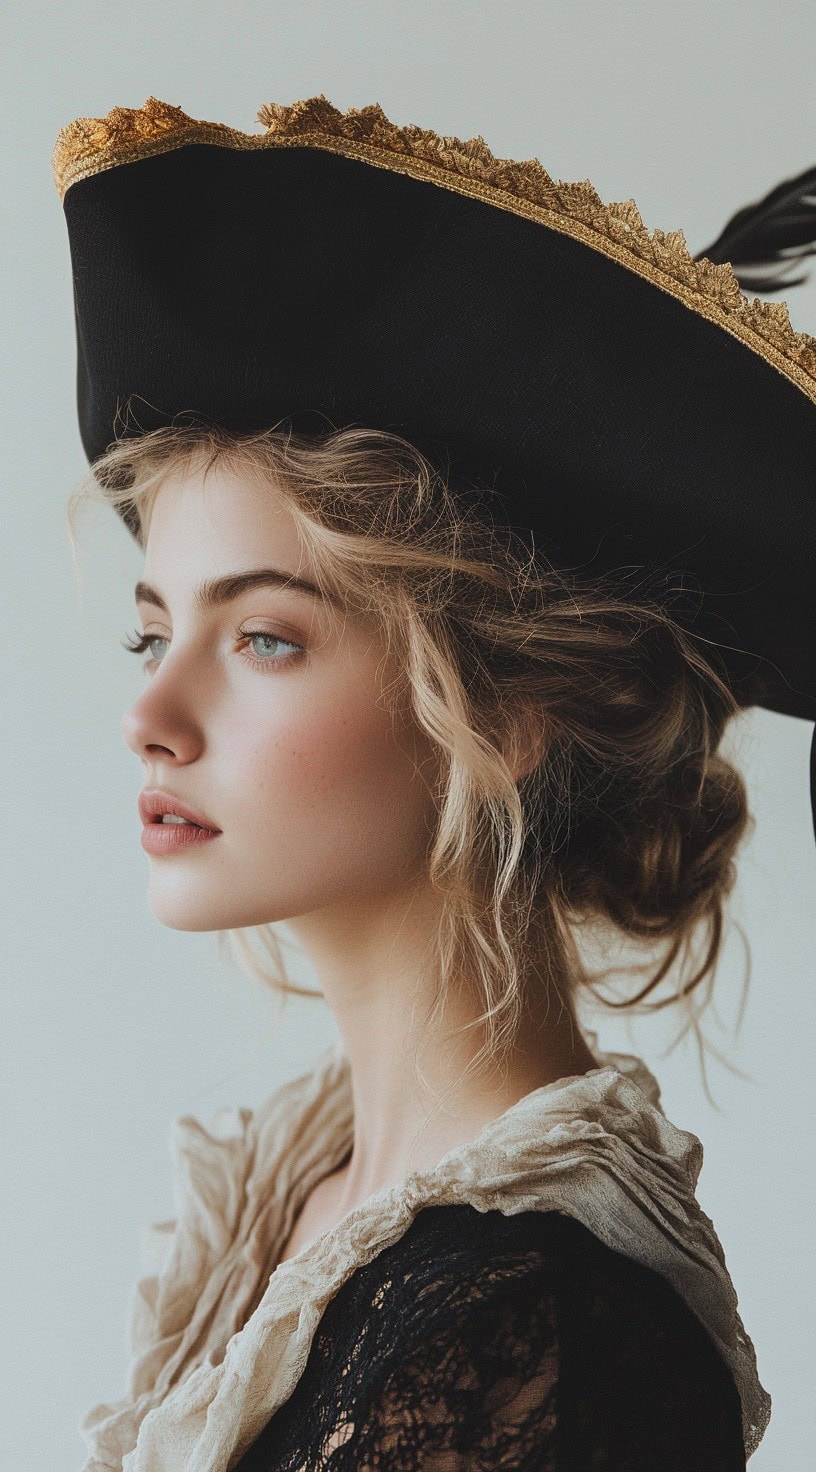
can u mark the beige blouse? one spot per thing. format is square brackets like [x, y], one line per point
[218, 1341]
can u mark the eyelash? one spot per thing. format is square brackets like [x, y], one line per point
[141, 642]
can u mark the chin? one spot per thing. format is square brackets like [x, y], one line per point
[187, 917]
[179, 903]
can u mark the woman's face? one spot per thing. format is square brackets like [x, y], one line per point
[282, 741]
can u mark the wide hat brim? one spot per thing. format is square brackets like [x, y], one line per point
[628, 406]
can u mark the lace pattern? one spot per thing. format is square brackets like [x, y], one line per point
[480, 1342]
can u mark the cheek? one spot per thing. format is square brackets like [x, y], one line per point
[340, 764]
[347, 747]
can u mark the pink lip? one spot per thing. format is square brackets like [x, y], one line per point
[153, 802]
[162, 838]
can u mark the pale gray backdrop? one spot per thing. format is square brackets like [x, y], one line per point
[113, 1025]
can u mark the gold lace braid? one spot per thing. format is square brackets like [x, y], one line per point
[88, 145]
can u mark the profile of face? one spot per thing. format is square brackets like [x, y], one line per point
[265, 714]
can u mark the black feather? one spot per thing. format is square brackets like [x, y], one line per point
[774, 231]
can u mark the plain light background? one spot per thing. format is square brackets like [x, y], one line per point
[113, 1025]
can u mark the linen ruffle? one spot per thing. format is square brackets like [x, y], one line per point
[218, 1341]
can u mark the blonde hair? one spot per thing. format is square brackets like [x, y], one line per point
[624, 811]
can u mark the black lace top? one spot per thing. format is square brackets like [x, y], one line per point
[485, 1341]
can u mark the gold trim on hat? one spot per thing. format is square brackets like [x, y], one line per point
[89, 145]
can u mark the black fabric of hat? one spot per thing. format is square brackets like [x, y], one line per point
[628, 406]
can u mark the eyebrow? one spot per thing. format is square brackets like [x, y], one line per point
[215, 592]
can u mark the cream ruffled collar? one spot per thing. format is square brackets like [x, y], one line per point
[218, 1343]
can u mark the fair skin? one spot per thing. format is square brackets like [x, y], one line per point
[324, 803]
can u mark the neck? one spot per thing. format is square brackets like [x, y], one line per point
[413, 1098]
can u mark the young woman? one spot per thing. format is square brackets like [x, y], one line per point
[465, 1237]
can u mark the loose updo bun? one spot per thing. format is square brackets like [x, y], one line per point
[651, 813]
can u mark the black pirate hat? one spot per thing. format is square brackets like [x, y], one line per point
[627, 405]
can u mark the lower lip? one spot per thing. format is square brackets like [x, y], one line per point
[162, 838]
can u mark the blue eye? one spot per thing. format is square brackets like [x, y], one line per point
[272, 639]
[140, 642]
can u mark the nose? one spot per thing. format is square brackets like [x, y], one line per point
[157, 725]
